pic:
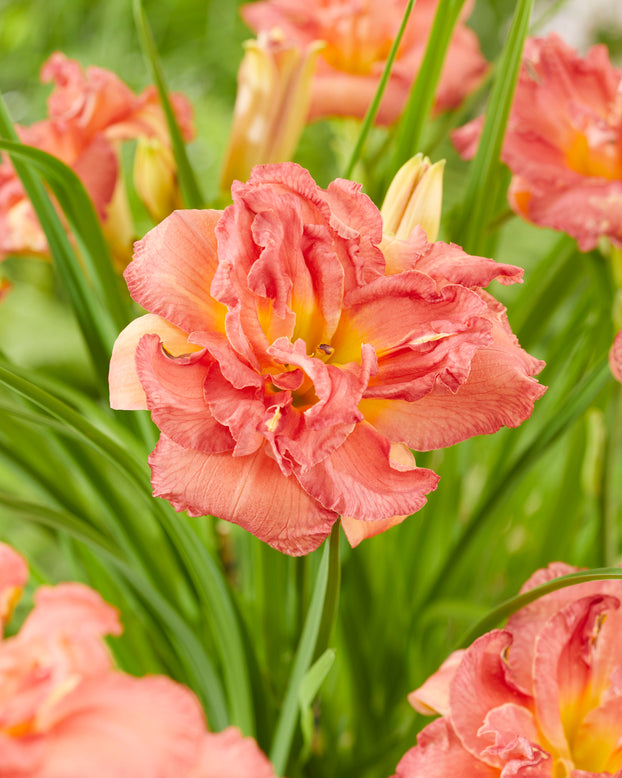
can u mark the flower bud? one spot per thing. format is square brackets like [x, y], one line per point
[414, 198]
[155, 178]
[272, 103]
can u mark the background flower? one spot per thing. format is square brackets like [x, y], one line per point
[65, 712]
[90, 114]
[540, 698]
[358, 40]
[291, 357]
[563, 142]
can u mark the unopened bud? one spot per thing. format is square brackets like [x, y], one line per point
[414, 198]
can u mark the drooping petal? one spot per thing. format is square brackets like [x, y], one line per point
[116, 725]
[126, 391]
[228, 754]
[173, 268]
[358, 480]
[433, 696]
[248, 490]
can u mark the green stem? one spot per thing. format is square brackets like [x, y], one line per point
[321, 611]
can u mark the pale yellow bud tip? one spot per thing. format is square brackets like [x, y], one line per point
[414, 198]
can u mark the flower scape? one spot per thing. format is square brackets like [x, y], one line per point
[292, 356]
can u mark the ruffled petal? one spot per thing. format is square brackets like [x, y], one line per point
[498, 392]
[359, 481]
[248, 490]
[173, 268]
[439, 753]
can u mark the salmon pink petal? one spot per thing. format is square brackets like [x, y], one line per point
[126, 391]
[175, 396]
[228, 754]
[527, 623]
[97, 167]
[173, 268]
[433, 696]
[439, 753]
[563, 660]
[357, 531]
[359, 481]
[482, 682]
[94, 100]
[498, 392]
[248, 490]
[514, 735]
[71, 609]
[116, 725]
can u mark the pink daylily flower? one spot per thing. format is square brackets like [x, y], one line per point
[90, 114]
[292, 356]
[540, 698]
[65, 712]
[563, 142]
[358, 37]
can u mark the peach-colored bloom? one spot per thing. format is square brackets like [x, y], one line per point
[358, 36]
[540, 698]
[65, 712]
[271, 106]
[563, 142]
[90, 114]
[291, 355]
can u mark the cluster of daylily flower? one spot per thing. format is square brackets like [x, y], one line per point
[296, 347]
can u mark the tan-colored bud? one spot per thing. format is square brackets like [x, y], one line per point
[155, 177]
[272, 103]
[414, 198]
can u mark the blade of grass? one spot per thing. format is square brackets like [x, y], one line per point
[190, 188]
[286, 725]
[507, 608]
[482, 182]
[422, 94]
[375, 103]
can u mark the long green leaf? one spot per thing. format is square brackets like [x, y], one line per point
[422, 94]
[507, 608]
[286, 725]
[375, 104]
[483, 176]
[190, 188]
